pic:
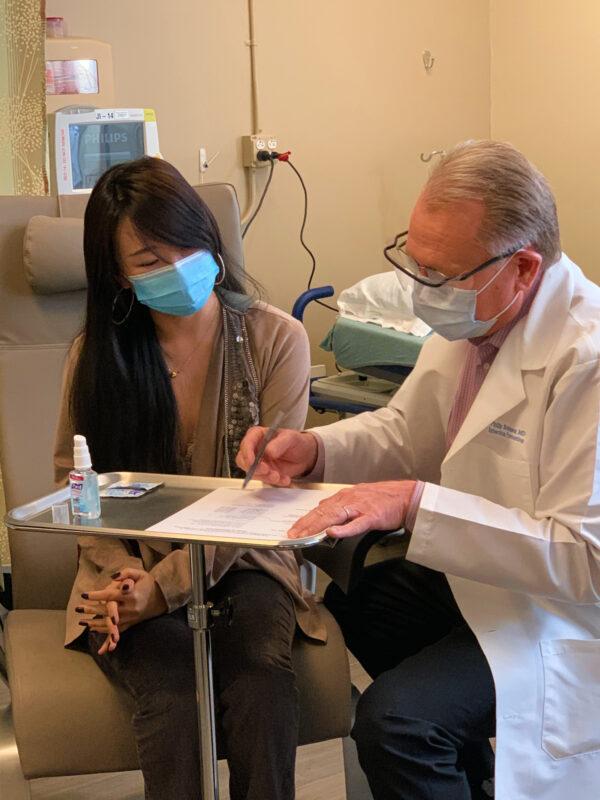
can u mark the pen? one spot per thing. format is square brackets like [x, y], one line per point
[272, 430]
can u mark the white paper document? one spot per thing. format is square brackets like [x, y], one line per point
[265, 514]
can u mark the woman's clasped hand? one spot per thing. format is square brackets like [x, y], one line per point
[132, 596]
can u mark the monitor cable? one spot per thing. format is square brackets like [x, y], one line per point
[272, 157]
[262, 197]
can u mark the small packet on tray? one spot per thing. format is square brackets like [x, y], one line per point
[127, 490]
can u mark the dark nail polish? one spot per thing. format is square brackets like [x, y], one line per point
[97, 616]
[79, 609]
[115, 575]
[85, 595]
[85, 624]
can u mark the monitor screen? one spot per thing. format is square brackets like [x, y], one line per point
[78, 76]
[96, 146]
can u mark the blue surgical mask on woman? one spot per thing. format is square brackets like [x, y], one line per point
[179, 289]
[451, 312]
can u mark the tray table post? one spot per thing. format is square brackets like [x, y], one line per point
[199, 619]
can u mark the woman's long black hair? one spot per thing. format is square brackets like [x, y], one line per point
[121, 397]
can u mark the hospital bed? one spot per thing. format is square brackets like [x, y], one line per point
[373, 360]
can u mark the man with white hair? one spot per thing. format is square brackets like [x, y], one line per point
[489, 455]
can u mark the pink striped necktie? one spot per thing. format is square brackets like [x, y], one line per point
[477, 364]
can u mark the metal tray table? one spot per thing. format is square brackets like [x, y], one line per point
[128, 519]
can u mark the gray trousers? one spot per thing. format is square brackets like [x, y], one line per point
[255, 689]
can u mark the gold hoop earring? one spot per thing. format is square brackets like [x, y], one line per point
[114, 305]
[221, 278]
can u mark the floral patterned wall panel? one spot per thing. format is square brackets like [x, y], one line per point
[22, 97]
[22, 118]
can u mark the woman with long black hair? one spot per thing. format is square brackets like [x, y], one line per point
[177, 359]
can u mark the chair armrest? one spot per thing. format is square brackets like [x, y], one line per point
[344, 562]
[307, 297]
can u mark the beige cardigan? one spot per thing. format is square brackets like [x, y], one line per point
[280, 351]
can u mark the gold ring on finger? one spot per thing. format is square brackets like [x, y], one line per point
[349, 514]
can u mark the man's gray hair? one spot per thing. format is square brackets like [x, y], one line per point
[519, 205]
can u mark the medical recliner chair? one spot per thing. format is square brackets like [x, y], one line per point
[65, 716]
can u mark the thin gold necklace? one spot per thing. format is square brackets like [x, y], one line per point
[209, 330]
[175, 371]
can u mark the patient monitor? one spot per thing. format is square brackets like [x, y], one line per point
[89, 141]
[87, 135]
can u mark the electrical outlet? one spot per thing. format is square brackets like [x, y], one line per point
[252, 145]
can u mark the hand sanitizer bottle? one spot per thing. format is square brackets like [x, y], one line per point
[85, 498]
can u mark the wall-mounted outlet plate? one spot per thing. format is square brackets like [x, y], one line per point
[252, 145]
[203, 160]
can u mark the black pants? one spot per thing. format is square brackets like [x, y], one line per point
[422, 727]
[255, 687]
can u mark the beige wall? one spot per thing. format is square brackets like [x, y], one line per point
[341, 84]
[546, 101]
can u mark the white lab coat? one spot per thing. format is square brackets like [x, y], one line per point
[512, 515]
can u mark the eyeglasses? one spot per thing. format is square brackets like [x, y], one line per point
[427, 276]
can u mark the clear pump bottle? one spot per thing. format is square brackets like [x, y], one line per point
[85, 496]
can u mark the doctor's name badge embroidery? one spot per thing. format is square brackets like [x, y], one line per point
[502, 429]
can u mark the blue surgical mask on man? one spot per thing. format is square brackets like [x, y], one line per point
[451, 312]
[179, 289]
